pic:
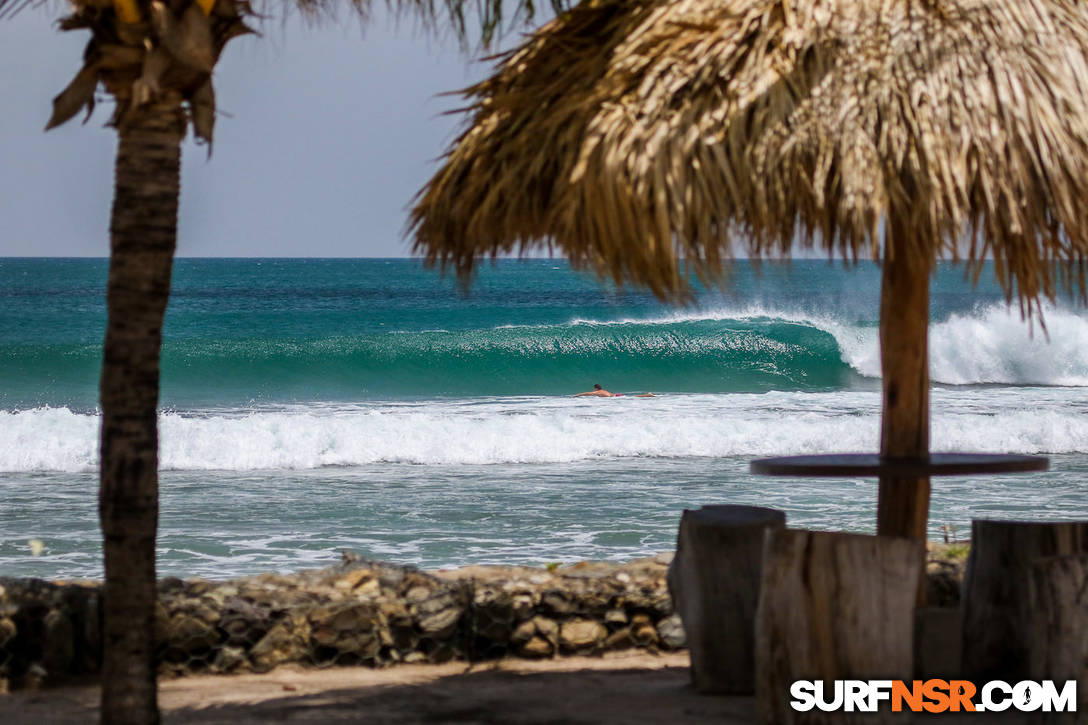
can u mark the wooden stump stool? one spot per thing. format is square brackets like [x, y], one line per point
[996, 603]
[833, 607]
[1058, 646]
[714, 582]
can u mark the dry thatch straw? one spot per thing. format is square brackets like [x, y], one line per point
[642, 137]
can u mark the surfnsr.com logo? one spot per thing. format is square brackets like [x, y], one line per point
[934, 696]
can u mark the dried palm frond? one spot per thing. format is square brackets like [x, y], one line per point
[645, 138]
[139, 48]
[443, 14]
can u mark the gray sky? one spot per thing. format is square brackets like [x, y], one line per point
[330, 133]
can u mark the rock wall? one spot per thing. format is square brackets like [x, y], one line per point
[360, 612]
[364, 612]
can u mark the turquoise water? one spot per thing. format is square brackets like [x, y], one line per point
[244, 331]
[313, 405]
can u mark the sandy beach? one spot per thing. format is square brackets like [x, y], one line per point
[631, 688]
[626, 689]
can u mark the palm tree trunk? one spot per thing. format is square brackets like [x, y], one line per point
[143, 233]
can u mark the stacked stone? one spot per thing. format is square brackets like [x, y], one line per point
[586, 608]
[360, 612]
[365, 612]
[48, 630]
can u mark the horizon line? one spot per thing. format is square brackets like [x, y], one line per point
[482, 262]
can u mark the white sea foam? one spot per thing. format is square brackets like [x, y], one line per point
[48, 439]
[554, 430]
[990, 345]
[996, 346]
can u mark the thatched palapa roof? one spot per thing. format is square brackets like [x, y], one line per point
[645, 137]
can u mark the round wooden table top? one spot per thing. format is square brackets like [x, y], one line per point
[848, 465]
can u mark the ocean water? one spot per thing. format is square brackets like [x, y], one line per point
[310, 406]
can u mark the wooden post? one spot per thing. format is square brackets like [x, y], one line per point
[1059, 626]
[833, 606]
[903, 503]
[996, 602]
[714, 582]
[902, 507]
[936, 642]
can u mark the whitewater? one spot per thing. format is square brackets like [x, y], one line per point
[544, 430]
[315, 405]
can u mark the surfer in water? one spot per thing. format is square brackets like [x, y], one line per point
[599, 392]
